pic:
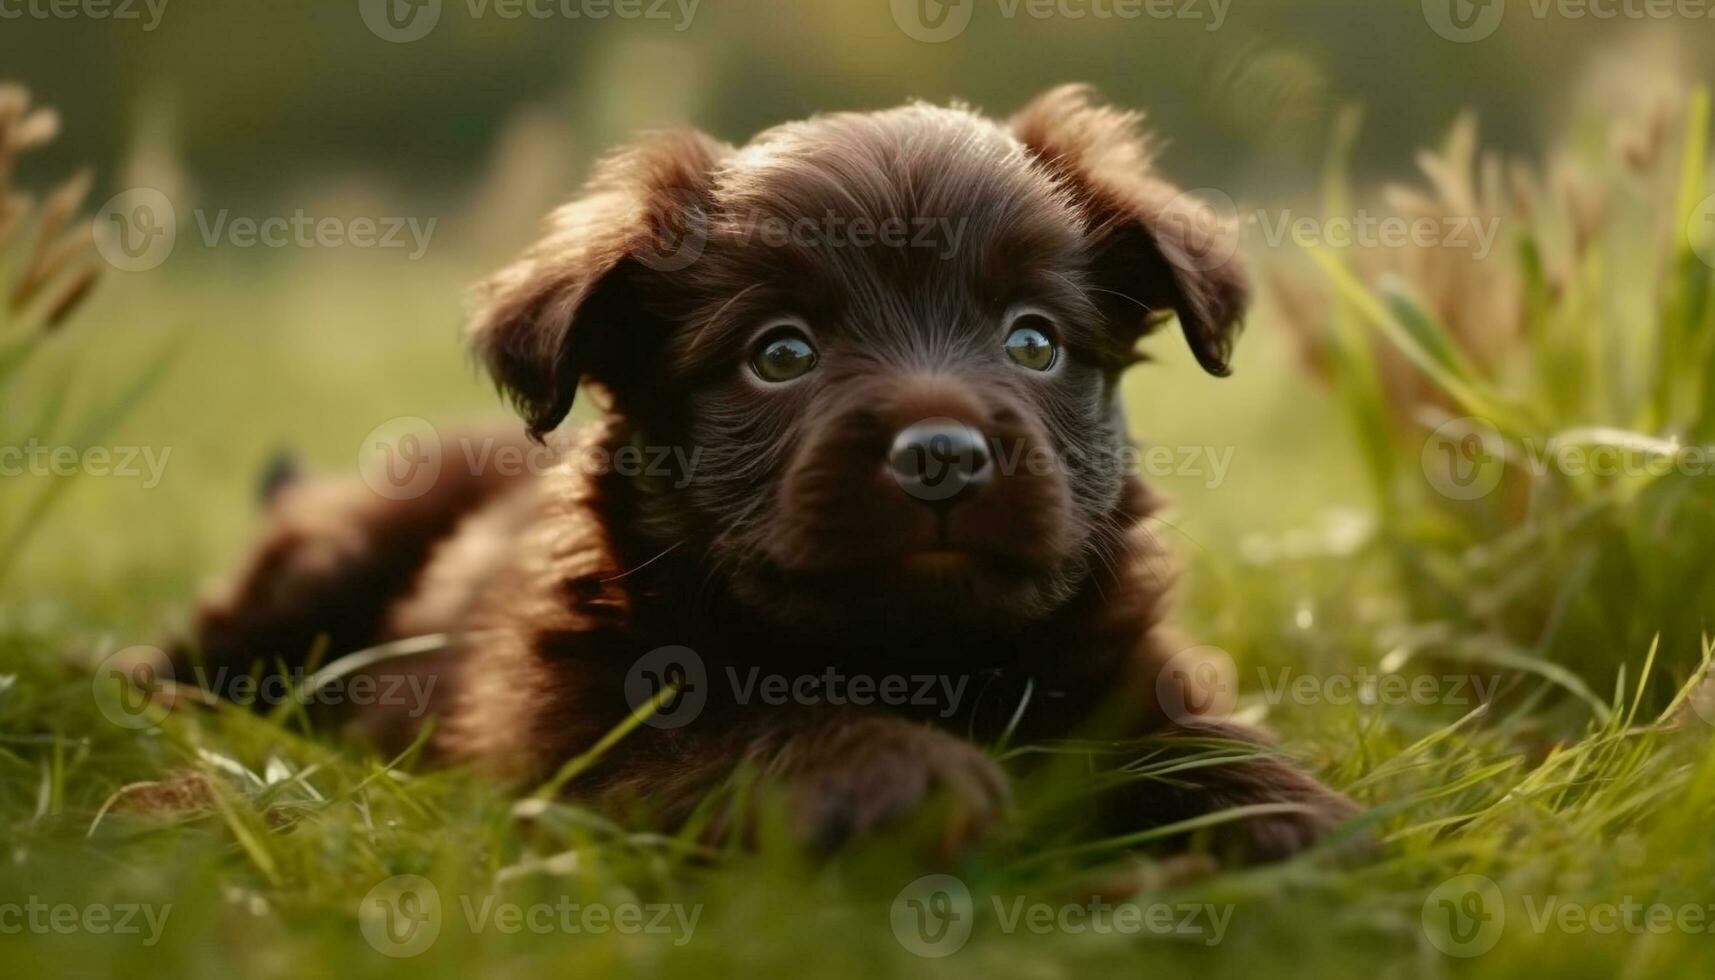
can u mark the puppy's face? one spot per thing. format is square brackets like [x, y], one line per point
[888, 343]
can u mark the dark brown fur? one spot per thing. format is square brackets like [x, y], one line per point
[789, 550]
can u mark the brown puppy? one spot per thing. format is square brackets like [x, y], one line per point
[875, 358]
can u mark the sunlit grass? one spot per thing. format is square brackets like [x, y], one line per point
[1540, 447]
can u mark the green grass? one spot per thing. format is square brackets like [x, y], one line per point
[1589, 406]
[1587, 783]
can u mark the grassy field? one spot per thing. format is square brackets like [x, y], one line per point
[1537, 780]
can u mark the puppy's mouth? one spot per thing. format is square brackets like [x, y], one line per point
[951, 565]
[947, 562]
[938, 561]
[945, 550]
[931, 583]
[868, 557]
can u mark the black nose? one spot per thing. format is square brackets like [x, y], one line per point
[940, 461]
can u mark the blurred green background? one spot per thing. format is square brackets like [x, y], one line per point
[258, 110]
[259, 101]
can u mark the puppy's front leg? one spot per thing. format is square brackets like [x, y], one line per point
[1194, 765]
[1201, 766]
[841, 773]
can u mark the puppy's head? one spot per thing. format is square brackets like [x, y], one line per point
[887, 345]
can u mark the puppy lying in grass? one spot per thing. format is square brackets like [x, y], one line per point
[877, 358]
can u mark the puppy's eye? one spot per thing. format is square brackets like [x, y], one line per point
[1028, 343]
[783, 355]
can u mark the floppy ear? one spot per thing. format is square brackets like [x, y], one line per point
[572, 307]
[1151, 243]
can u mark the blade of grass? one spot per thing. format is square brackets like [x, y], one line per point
[95, 428]
[579, 763]
[1464, 390]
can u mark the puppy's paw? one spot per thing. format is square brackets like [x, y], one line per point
[1228, 767]
[882, 772]
[1316, 813]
